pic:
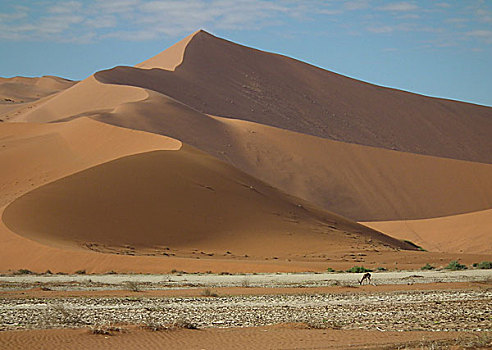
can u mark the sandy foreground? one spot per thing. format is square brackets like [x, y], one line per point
[431, 309]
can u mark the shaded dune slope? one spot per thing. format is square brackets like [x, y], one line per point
[36, 154]
[181, 199]
[359, 182]
[226, 79]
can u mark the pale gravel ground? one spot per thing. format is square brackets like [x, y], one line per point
[467, 310]
[94, 282]
[462, 310]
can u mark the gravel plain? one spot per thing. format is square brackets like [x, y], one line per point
[180, 280]
[434, 310]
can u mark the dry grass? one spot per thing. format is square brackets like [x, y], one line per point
[207, 292]
[105, 329]
[132, 286]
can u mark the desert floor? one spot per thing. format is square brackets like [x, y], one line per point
[405, 309]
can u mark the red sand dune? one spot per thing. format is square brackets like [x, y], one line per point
[360, 182]
[17, 92]
[274, 130]
[180, 199]
[471, 232]
[226, 79]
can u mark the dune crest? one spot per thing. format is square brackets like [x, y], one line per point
[222, 78]
[359, 182]
[88, 96]
[217, 149]
[170, 58]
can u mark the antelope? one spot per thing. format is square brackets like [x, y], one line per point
[367, 276]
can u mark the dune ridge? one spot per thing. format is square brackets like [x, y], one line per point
[170, 58]
[360, 182]
[88, 96]
[222, 78]
[211, 147]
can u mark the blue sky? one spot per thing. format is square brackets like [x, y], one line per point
[437, 48]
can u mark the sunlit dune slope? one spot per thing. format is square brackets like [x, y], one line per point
[23, 89]
[359, 182]
[18, 92]
[469, 233]
[226, 79]
[180, 199]
[86, 97]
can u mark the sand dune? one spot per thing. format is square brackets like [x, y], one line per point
[35, 154]
[180, 199]
[269, 126]
[22, 89]
[470, 233]
[359, 182]
[88, 96]
[170, 58]
[226, 79]
[17, 92]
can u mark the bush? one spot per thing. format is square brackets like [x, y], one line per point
[455, 265]
[184, 324]
[80, 272]
[208, 293]
[330, 270]
[485, 265]
[427, 267]
[23, 272]
[245, 283]
[380, 268]
[104, 329]
[358, 269]
[132, 286]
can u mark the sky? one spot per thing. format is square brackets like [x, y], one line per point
[436, 48]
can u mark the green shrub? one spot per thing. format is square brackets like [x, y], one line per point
[455, 265]
[358, 269]
[330, 270]
[380, 268]
[427, 267]
[485, 265]
[23, 272]
[80, 272]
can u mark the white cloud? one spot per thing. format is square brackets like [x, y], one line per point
[480, 33]
[356, 5]
[65, 7]
[443, 4]
[381, 29]
[399, 7]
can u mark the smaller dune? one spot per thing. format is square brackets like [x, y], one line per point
[180, 199]
[465, 233]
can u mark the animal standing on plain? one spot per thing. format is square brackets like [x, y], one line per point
[367, 276]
